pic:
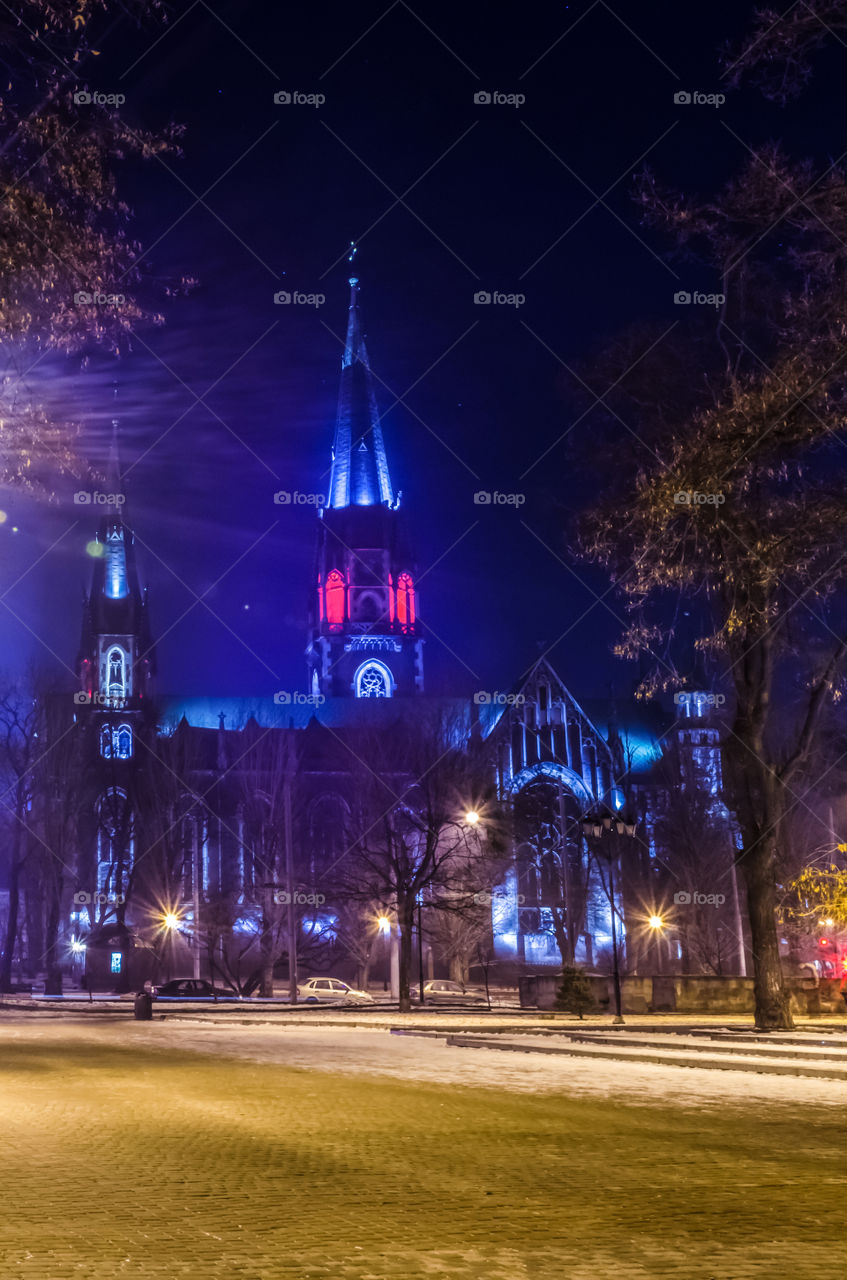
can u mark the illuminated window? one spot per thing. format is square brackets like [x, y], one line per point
[373, 680]
[116, 673]
[116, 580]
[122, 742]
[115, 742]
[405, 602]
[117, 957]
[335, 600]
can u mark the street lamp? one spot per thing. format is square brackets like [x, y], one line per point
[596, 825]
[656, 922]
[472, 817]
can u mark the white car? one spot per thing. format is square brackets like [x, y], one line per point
[331, 990]
[443, 991]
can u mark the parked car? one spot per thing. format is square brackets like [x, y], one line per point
[443, 991]
[191, 989]
[331, 990]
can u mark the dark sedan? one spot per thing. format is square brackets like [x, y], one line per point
[191, 989]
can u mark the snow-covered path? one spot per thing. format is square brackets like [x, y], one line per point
[376, 1052]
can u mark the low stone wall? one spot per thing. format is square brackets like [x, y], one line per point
[694, 994]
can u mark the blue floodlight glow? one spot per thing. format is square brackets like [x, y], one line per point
[321, 926]
[117, 586]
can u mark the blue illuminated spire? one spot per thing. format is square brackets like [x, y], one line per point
[113, 532]
[359, 474]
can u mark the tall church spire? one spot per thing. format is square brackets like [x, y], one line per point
[359, 475]
[365, 634]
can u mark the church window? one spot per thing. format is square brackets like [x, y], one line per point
[122, 742]
[116, 673]
[405, 602]
[373, 680]
[335, 600]
[106, 741]
[116, 580]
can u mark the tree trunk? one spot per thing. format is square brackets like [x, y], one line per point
[406, 923]
[14, 895]
[51, 940]
[11, 923]
[266, 985]
[772, 1005]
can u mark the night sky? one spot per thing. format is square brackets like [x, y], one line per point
[445, 197]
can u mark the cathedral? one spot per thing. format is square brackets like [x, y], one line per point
[186, 797]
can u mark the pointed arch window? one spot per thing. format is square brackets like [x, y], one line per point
[373, 680]
[405, 602]
[335, 600]
[117, 586]
[115, 842]
[116, 672]
[122, 742]
[116, 742]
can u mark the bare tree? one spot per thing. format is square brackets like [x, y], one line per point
[411, 843]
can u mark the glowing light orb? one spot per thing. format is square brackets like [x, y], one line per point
[95, 549]
[656, 922]
[471, 817]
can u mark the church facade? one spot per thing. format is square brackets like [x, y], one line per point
[201, 807]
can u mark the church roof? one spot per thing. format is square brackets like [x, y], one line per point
[333, 713]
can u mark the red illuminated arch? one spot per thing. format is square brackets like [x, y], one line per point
[335, 600]
[405, 602]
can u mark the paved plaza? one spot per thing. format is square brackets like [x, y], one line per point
[179, 1148]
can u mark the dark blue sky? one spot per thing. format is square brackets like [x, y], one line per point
[532, 200]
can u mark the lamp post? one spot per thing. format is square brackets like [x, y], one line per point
[385, 929]
[171, 923]
[598, 825]
[420, 950]
[657, 927]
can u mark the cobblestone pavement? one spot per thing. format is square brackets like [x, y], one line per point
[122, 1160]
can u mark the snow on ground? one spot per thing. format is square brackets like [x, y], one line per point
[374, 1051]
